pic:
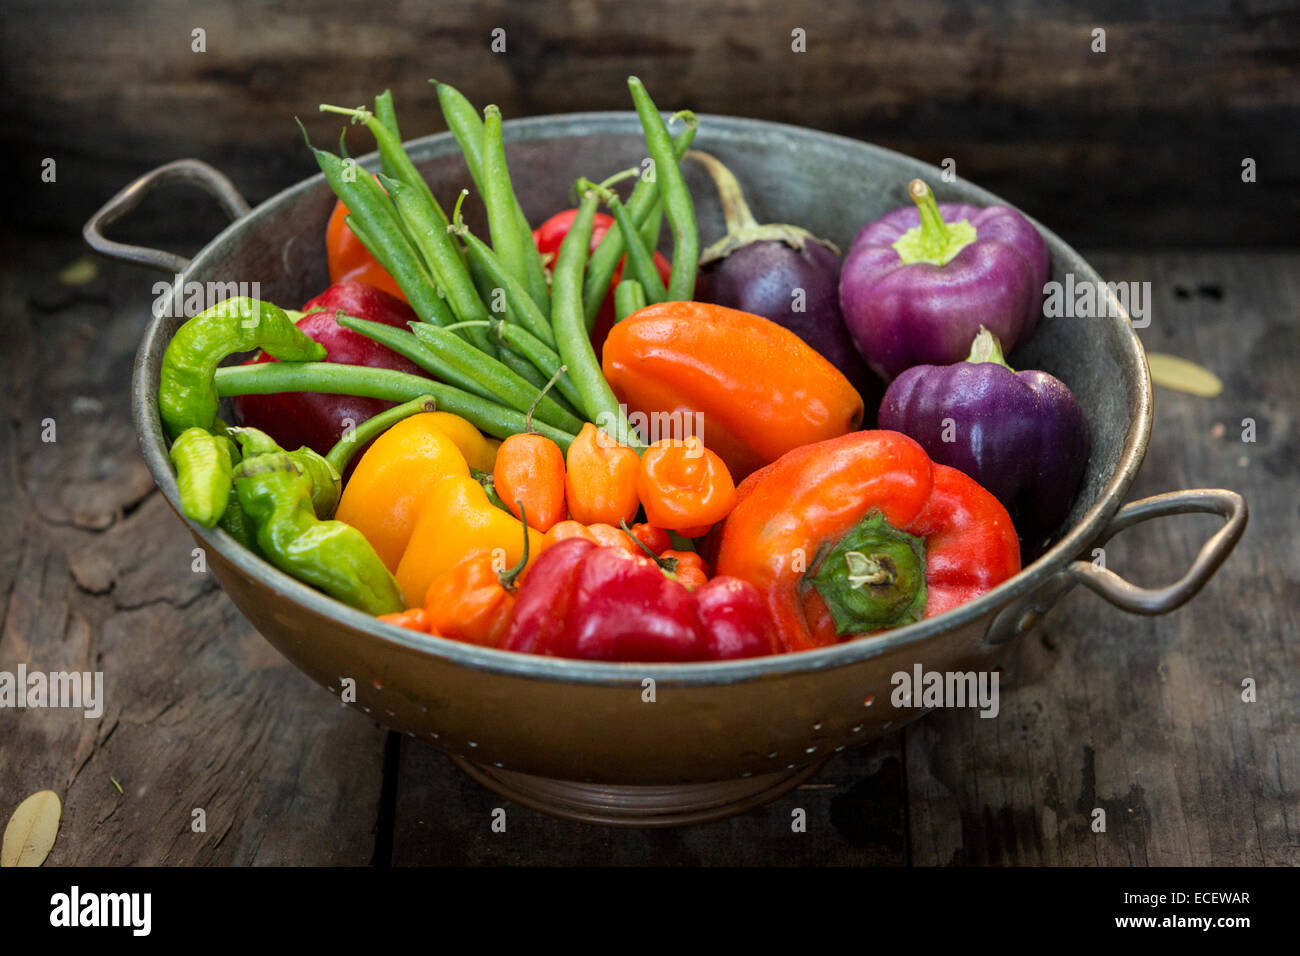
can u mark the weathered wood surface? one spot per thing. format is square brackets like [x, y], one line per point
[1140, 144]
[1140, 717]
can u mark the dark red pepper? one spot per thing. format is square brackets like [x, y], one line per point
[548, 236]
[318, 420]
[579, 600]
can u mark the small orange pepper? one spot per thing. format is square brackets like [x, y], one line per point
[684, 487]
[601, 479]
[599, 534]
[656, 539]
[530, 468]
[691, 569]
[413, 619]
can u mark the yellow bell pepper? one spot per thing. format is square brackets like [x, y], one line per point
[457, 520]
[395, 477]
[479, 450]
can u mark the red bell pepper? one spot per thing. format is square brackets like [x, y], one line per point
[548, 236]
[605, 603]
[863, 533]
[318, 420]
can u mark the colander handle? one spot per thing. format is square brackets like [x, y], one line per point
[182, 171]
[1138, 600]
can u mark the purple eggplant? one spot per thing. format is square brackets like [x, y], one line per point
[1019, 434]
[918, 283]
[783, 273]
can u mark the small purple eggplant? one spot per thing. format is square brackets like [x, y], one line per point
[1019, 434]
[783, 273]
[918, 283]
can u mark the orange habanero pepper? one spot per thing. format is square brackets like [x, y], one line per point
[600, 482]
[530, 468]
[684, 487]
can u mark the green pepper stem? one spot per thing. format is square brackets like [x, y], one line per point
[667, 565]
[354, 439]
[933, 227]
[987, 348]
[507, 578]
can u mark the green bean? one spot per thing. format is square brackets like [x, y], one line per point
[520, 304]
[513, 245]
[641, 207]
[388, 117]
[598, 399]
[270, 378]
[398, 257]
[505, 385]
[391, 152]
[443, 258]
[408, 346]
[653, 223]
[678, 207]
[629, 297]
[540, 356]
[372, 218]
[639, 259]
[467, 127]
[525, 369]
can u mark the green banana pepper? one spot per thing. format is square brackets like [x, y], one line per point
[276, 495]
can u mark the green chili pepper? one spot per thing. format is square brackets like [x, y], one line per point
[330, 555]
[598, 399]
[643, 205]
[326, 480]
[514, 245]
[203, 467]
[186, 394]
[269, 378]
[629, 297]
[676, 196]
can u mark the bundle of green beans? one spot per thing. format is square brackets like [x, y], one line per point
[492, 329]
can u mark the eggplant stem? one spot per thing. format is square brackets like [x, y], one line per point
[735, 209]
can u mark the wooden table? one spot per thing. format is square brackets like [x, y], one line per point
[1143, 718]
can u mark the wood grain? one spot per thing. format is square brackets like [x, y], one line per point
[1140, 144]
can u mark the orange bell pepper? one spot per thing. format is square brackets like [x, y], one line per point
[349, 260]
[761, 389]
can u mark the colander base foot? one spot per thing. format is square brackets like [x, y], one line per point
[637, 806]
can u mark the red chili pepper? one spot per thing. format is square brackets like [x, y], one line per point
[551, 233]
[606, 603]
[318, 420]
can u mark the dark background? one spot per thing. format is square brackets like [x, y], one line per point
[1140, 145]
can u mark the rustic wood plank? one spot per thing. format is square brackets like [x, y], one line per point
[1010, 89]
[1144, 717]
[853, 809]
[199, 711]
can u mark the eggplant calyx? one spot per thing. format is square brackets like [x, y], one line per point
[987, 348]
[742, 228]
[792, 236]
